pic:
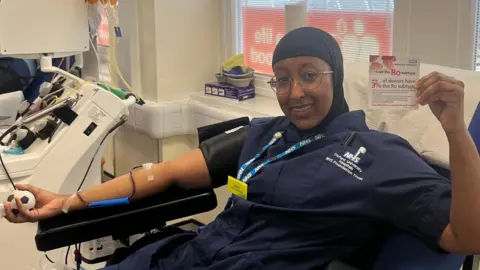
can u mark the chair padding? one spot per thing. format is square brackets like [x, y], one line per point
[125, 220]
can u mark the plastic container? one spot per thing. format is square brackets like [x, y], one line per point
[250, 72]
[241, 82]
[221, 78]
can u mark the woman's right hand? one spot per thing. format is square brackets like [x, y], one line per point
[48, 204]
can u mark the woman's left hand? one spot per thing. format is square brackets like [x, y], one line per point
[444, 95]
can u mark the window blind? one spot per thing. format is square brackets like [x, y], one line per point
[361, 27]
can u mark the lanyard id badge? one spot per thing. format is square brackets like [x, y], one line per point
[239, 186]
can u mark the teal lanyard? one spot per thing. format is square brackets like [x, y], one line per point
[275, 138]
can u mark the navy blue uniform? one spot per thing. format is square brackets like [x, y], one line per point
[325, 201]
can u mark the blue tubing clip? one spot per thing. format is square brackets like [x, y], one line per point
[109, 203]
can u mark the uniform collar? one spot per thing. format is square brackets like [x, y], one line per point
[349, 121]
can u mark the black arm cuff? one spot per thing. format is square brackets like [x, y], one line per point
[222, 153]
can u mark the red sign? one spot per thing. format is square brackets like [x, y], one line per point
[359, 34]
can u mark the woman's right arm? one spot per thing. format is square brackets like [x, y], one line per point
[208, 166]
[205, 167]
[188, 171]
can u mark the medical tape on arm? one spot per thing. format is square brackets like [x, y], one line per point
[70, 200]
[68, 203]
[148, 167]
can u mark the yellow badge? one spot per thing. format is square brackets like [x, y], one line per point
[237, 187]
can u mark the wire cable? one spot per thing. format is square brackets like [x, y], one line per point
[6, 172]
[48, 258]
[121, 122]
[53, 93]
[76, 88]
[59, 66]
[8, 131]
[96, 55]
[79, 259]
[66, 255]
[134, 187]
[59, 123]
[113, 53]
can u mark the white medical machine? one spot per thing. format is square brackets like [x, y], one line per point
[82, 119]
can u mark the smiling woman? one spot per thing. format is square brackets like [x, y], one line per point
[309, 79]
[296, 83]
[317, 174]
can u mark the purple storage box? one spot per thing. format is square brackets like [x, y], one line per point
[230, 91]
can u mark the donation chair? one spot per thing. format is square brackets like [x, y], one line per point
[398, 251]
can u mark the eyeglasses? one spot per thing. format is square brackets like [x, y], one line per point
[308, 80]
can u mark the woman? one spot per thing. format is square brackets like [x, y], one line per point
[326, 197]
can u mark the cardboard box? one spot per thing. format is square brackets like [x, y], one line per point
[230, 91]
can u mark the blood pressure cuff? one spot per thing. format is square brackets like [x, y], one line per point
[207, 132]
[222, 153]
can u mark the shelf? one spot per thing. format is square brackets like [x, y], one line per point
[260, 106]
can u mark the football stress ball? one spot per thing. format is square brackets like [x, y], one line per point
[26, 198]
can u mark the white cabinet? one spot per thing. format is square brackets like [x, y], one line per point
[162, 120]
[208, 110]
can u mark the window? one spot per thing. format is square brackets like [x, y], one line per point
[361, 27]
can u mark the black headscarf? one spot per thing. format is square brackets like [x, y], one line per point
[309, 41]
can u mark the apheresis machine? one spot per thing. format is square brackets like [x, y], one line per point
[57, 141]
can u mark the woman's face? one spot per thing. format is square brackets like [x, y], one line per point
[303, 92]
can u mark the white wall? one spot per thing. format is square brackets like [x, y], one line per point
[188, 50]
[136, 54]
[188, 56]
[169, 49]
[188, 46]
[178, 47]
[437, 31]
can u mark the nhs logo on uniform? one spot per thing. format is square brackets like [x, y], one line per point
[355, 157]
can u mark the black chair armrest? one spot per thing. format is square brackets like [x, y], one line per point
[137, 217]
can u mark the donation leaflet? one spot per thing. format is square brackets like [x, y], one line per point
[392, 81]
